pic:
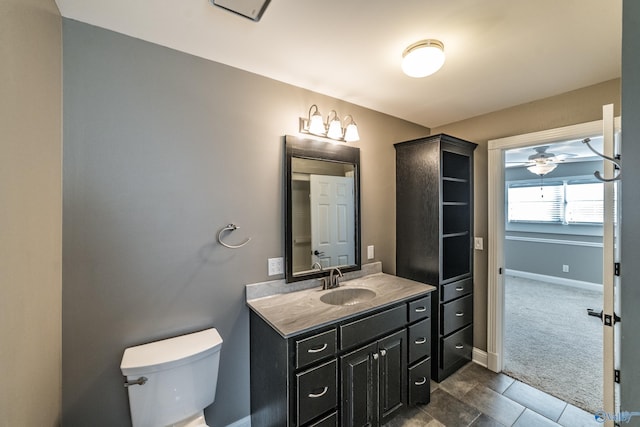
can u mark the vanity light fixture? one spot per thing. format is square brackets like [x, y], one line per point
[542, 168]
[351, 130]
[332, 128]
[423, 58]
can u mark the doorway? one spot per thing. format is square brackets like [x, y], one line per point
[498, 216]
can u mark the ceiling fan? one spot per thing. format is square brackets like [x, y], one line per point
[542, 162]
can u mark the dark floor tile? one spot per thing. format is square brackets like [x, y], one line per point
[450, 411]
[533, 419]
[473, 374]
[541, 402]
[493, 404]
[414, 417]
[576, 417]
[486, 421]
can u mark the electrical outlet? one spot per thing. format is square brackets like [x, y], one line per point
[276, 266]
[565, 268]
[370, 252]
[478, 243]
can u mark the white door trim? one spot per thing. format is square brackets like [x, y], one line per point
[495, 291]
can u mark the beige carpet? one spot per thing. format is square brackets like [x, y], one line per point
[551, 343]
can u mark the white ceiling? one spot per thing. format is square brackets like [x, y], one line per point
[500, 53]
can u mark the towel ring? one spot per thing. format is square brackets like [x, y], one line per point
[231, 227]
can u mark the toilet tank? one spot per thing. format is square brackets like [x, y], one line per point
[181, 375]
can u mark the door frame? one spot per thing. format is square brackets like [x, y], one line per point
[496, 215]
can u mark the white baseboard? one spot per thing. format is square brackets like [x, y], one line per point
[555, 280]
[244, 422]
[479, 357]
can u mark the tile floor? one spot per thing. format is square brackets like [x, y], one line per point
[475, 396]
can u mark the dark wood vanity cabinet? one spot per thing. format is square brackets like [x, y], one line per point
[357, 372]
[434, 239]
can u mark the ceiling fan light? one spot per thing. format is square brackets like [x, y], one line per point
[542, 168]
[423, 58]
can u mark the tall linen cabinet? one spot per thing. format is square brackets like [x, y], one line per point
[434, 239]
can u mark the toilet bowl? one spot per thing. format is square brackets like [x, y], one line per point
[170, 382]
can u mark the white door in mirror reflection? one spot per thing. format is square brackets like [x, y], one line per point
[332, 220]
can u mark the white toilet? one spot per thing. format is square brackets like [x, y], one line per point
[170, 382]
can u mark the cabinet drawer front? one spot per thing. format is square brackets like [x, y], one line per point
[456, 314]
[317, 391]
[456, 289]
[315, 348]
[419, 340]
[420, 382]
[328, 421]
[419, 309]
[366, 329]
[457, 346]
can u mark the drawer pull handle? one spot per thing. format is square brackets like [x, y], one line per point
[459, 346]
[459, 314]
[459, 289]
[421, 309]
[422, 381]
[317, 350]
[324, 391]
[421, 340]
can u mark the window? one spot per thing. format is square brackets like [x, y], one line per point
[584, 203]
[535, 203]
[561, 202]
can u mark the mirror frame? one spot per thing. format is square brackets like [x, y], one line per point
[318, 150]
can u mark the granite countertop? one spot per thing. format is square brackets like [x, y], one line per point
[301, 311]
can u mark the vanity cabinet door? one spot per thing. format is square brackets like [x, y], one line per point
[359, 387]
[392, 374]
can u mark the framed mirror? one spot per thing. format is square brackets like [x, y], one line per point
[322, 205]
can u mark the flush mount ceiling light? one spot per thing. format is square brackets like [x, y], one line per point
[332, 128]
[423, 58]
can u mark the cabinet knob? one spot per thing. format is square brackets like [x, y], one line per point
[383, 352]
[375, 356]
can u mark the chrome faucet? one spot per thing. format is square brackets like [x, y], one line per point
[334, 282]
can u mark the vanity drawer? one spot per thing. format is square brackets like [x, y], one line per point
[420, 308]
[457, 346]
[328, 421]
[419, 342]
[420, 382]
[364, 330]
[456, 314]
[457, 289]
[317, 391]
[315, 348]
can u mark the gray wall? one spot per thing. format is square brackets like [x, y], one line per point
[585, 262]
[30, 212]
[579, 106]
[630, 292]
[162, 149]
